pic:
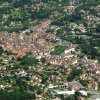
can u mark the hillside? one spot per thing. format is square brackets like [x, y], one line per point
[78, 21]
[49, 49]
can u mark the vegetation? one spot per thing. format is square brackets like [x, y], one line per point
[58, 49]
[28, 60]
[1, 50]
[72, 22]
[4, 95]
[84, 82]
[74, 73]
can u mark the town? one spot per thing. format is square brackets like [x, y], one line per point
[56, 58]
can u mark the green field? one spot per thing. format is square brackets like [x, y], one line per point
[58, 49]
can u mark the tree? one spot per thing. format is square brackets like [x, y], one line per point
[1, 60]
[1, 50]
[89, 50]
[84, 82]
[43, 60]
[71, 97]
[57, 22]
[74, 73]
[42, 13]
[60, 32]
[28, 60]
[75, 17]
[77, 94]
[98, 28]
[16, 88]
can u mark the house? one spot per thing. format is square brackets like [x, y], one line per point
[95, 97]
[84, 93]
[52, 86]
[75, 85]
[93, 93]
[5, 61]
[58, 92]
[95, 85]
[57, 85]
[56, 98]
[69, 9]
[39, 97]
[96, 71]
[69, 50]
[2, 87]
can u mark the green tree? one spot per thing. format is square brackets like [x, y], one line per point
[98, 28]
[28, 60]
[43, 60]
[74, 73]
[71, 97]
[1, 50]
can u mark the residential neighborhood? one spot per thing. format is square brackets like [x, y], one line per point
[50, 50]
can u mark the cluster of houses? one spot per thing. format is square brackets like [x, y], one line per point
[37, 41]
[39, 47]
